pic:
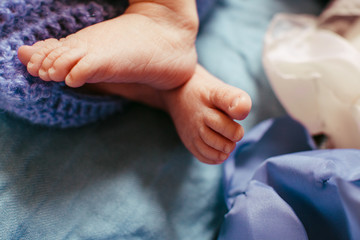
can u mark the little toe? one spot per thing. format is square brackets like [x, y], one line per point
[233, 101]
[65, 62]
[223, 125]
[208, 154]
[215, 140]
[25, 52]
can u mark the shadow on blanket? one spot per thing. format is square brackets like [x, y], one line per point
[91, 181]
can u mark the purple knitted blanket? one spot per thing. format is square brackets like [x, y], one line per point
[50, 103]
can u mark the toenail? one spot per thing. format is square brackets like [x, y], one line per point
[227, 149]
[42, 72]
[68, 79]
[51, 71]
[30, 65]
[70, 82]
[238, 135]
[235, 103]
[223, 156]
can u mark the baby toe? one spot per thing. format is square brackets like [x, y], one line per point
[216, 141]
[51, 58]
[25, 52]
[208, 154]
[44, 75]
[233, 101]
[224, 126]
[64, 64]
[82, 72]
[41, 53]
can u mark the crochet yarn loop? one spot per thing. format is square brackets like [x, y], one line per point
[49, 103]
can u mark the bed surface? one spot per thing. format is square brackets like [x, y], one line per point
[129, 176]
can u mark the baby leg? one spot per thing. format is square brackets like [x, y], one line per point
[203, 111]
[152, 43]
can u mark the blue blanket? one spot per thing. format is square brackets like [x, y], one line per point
[129, 176]
[277, 186]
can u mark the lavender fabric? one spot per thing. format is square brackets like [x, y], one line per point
[278, 187]
[49, 103]
[256, 211]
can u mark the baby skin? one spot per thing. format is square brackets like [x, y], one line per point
[151, 39]
[151, 59]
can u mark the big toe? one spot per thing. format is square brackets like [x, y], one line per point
[235, 102]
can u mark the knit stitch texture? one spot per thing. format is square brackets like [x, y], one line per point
[49, 103]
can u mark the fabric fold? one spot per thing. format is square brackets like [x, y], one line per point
[315, 193]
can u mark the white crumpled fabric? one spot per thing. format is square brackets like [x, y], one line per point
[315, 73]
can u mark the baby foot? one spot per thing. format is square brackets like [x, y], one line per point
[203, 110]
[157, 50]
